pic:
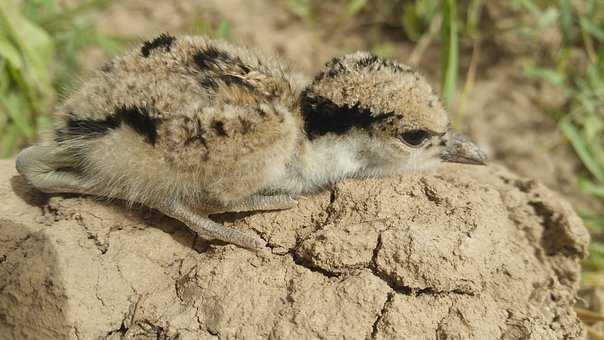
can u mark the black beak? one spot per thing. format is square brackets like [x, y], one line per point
[459, 149]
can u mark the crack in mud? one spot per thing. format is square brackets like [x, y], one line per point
[121, 331]
[385, 306]
[439, 325]
[20, 242]
[301, 261]
[402, 289]
[552, 227]
[377, 272]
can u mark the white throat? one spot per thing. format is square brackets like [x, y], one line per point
[331, 159]
[320, 162]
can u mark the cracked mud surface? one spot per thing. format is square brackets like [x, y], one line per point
[463, 253]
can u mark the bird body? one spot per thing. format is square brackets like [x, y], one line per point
[193, 126]
[191, 118]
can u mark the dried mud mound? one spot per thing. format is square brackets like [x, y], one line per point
[464, 253]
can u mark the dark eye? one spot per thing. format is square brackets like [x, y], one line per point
[414, 138]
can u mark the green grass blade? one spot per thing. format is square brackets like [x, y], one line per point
[26, 88]
[301, 8]
[450, 51]
[58, 18]
[566, 21]
[551, 76]
[9, 141]
[354, 7]
[427, 9]
[36, 60]
[16, 109]
[224, 30]
[473, 17]
[35, 45]
[593, 29]
[582, 148]
[411, 22]
[4, 76]
[593, 221]
[591, 188]
[9, 52]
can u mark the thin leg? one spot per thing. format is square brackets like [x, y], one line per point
[262, 202]
[209, 229]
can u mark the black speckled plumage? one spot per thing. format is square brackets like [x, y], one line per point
[164, 40]
[322, 116]
[135, 117]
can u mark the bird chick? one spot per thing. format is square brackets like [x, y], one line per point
[192, 127]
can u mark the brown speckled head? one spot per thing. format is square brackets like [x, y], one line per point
[361, 90]
[390, 105]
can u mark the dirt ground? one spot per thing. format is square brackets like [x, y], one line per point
[465, 253]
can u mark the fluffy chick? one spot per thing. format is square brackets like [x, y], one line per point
[192, 126]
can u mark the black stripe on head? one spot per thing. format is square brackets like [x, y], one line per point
[85, 128]
[208, 57]
[331, 69]
[337, 66]
[213, 58]
[164, 40]
[368, 61]
[138, 119]
[375, 62]
[219, 66]
[135, 117]
[220, 62]
[322, 116]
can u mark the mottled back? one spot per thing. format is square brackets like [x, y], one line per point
[201, 107]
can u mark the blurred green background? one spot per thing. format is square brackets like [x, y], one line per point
[532, 70]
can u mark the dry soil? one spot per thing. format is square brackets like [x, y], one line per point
[463, 253]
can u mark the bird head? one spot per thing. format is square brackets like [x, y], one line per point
[389, 106]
